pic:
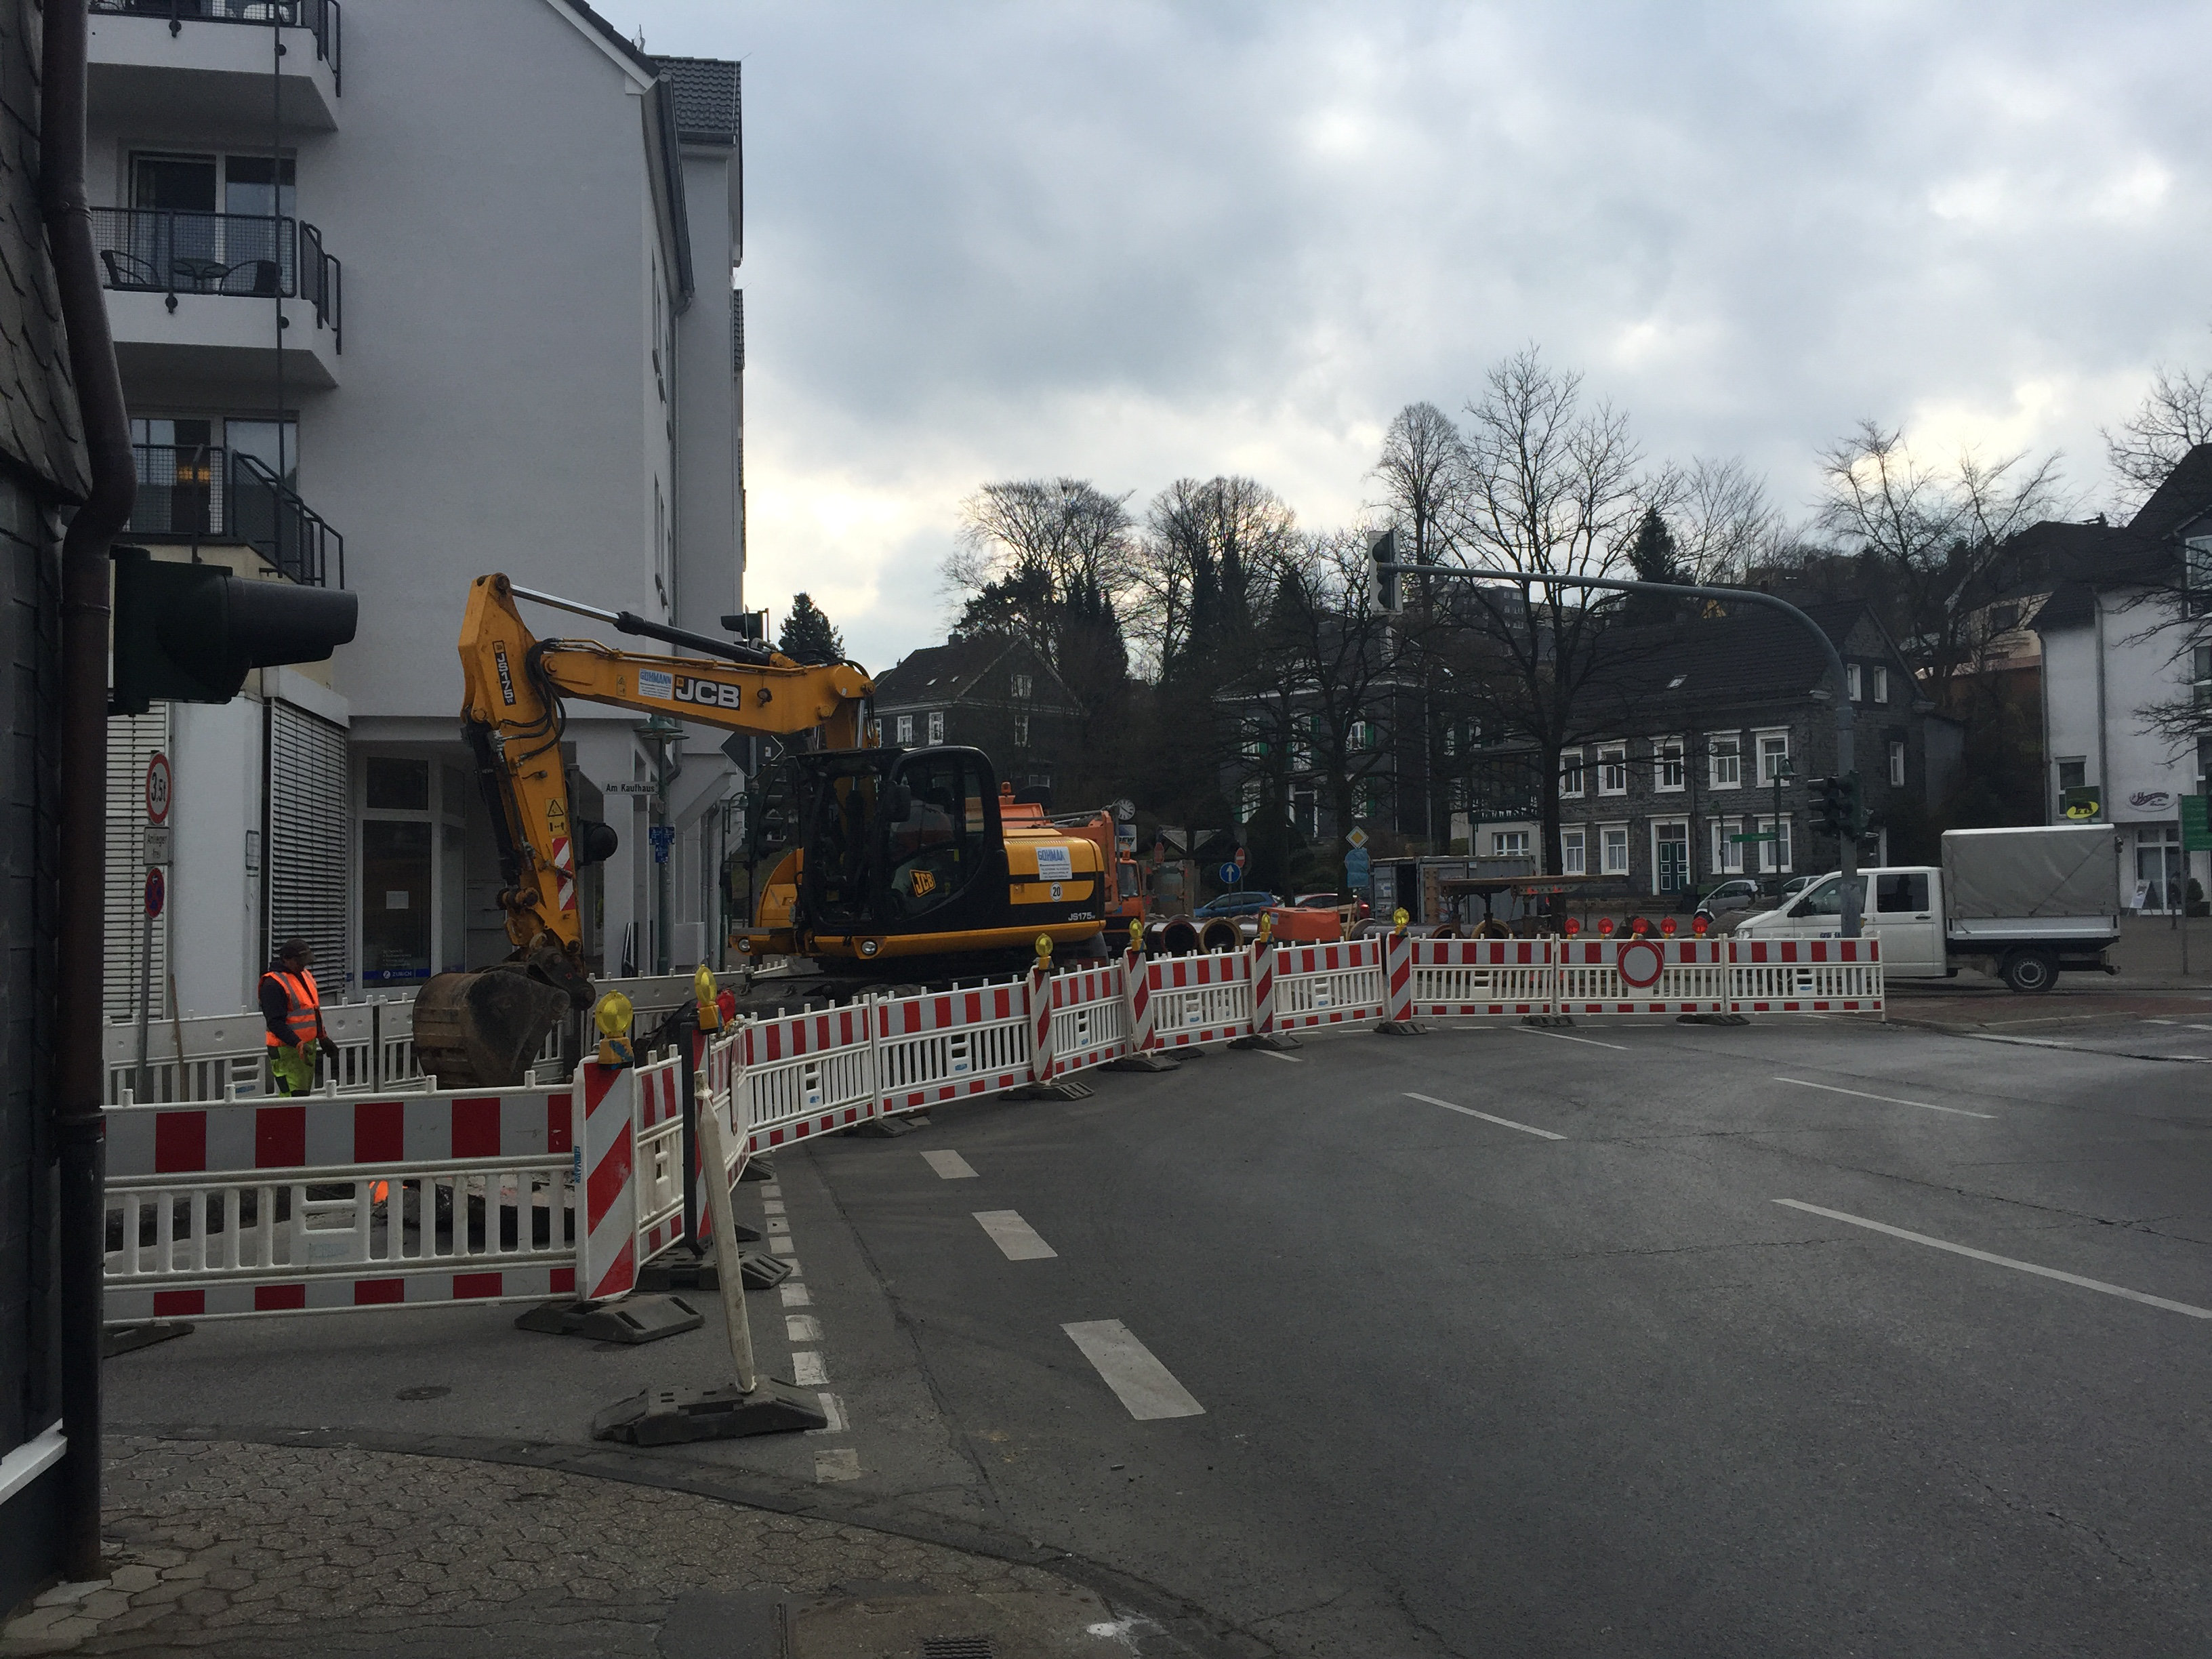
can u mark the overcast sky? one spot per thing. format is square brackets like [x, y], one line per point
[1132, 242]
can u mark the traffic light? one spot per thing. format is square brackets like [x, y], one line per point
[1854, 808]
[1382, 585]
[1829, 809]
[191, 633]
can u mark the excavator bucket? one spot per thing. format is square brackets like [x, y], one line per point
[482, 1030]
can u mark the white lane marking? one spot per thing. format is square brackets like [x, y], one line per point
[2191, 1024]
[796, 1295]
[841, 1464]
[1476, 1027]
[772, 1206]
[781, 1245]
[1272, 1054]
[833, 1410]
[949, 1166]
[2147, 1020]
[801, 1328]
[1015, 1239]
[1562, 1036]
[2194, 1312]
[776, 1224]
[772, 1189]
[1145, 1386]
[807, 1369]
[1887, 1100]
[1469, 1111]
[2025, 1042]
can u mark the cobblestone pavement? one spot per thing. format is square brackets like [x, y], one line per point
[222, 1547]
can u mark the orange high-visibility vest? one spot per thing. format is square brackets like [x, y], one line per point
[301, 1016]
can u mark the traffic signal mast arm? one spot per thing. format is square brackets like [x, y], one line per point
[514, 683]
[1385, 572]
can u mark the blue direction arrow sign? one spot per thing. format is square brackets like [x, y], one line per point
[1231, 875]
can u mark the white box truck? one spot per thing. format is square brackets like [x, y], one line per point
[2026, 905]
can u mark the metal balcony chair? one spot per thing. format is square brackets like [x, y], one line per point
[128, 271]
[256, 277]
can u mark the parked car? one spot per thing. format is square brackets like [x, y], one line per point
[1333, 901]
[1238, 903]
[1740, 894]
[1794, 886]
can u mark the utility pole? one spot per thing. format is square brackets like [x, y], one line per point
[1384, 571]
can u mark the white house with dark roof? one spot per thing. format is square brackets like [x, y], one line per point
[2116, 643]
[405, 291]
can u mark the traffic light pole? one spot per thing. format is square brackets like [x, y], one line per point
[1386, 572]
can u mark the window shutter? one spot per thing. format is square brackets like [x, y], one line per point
[131, 742]
[309, 842]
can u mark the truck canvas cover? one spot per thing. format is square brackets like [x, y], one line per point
[2060, 869]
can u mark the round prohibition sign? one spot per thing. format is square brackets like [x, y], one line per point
[1641, 964]
[160, 788]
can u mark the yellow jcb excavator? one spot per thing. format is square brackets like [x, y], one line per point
[904, 854]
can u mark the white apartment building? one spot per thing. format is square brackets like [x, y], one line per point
[405, 291]
[2115, 644]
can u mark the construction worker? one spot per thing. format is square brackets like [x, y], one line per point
[292, 1007]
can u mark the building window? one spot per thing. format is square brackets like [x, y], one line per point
[876, 733]
[905, 730]
[1021, 730]
[1896, 764]
[1571, 853]
[1021, 685]
[1571, 775]
[2200, 675]
[937, 725]
[1250, 795]
[1668, 751]
[1670, 856]
[1612, 769]
[1727, 852]
[1774, 855]
[1508, 844]
[1613, 839]
[2198, 563]
[1851, 682]
[1773, 756]
[1881, 685]
[1725, 756]
[1363, 734]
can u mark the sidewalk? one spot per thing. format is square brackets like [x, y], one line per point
[273, 1552]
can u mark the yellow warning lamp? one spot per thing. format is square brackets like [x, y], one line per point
[1399, 917]
[704, 991]
[612, 1015]
[1136, 933]
[1044, 950]
[1267, 925]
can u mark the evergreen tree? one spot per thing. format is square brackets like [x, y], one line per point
[806, 634]
[1654, 557]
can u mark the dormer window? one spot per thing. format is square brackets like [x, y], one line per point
[1021, 685]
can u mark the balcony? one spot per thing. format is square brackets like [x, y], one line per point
[175, 282]
[206, 64]
[211, 498]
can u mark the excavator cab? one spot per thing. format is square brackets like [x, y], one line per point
[899, 841]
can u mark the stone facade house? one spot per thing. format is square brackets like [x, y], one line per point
[997, 695]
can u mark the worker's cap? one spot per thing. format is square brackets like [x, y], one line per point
[294, 950]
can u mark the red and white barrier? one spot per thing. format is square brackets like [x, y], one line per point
[1090, 1019]
[1398, 968]
[809, 1073]
[952, 1044]
[657, 1127]
[331, 1201]
[1326, 984]
[721, 1091]
[1197, 1001]
[1805, 976]
[606, 1138]
[1039, 989]
[1483, 978]
[1137, 989]
[1642, 976]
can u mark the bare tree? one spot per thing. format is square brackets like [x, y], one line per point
[1723, 522]
[1934, 537]
[1554, 487]
[1191, 580]
[2174, 416]
[1423, 472]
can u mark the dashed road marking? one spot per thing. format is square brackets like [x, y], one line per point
[2098, 1284]
[796, 1295]
[801, 1328]
[807, 1369]
[1272, 1054]
[1887, 1100]
[841, 1464]
[772, 1189]
[772, 1206]
[833, 1415]
[1148, 1389]
[1561, 1036]
[1469, 1111]
[776, 1224]
[1015, 1239]
[780, 1244]
[949, 1166]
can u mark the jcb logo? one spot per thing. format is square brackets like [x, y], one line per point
[713, 693]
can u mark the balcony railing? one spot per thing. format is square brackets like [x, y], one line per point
[203, 493]
[163, 251]
[318, 17]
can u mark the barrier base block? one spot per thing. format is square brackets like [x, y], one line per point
[126, 1338]
[1710, 1019]
[669, 1417]
[1401, 1027]
[1066, 1088]
[1277, 1041]
[758, 1169]
[1547, 1020]
[1144, 1063]
[678, 1271]
[878, 1129]
[762, 1272]
[632, 1319]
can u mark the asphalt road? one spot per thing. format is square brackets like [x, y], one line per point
[1588, 1380]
